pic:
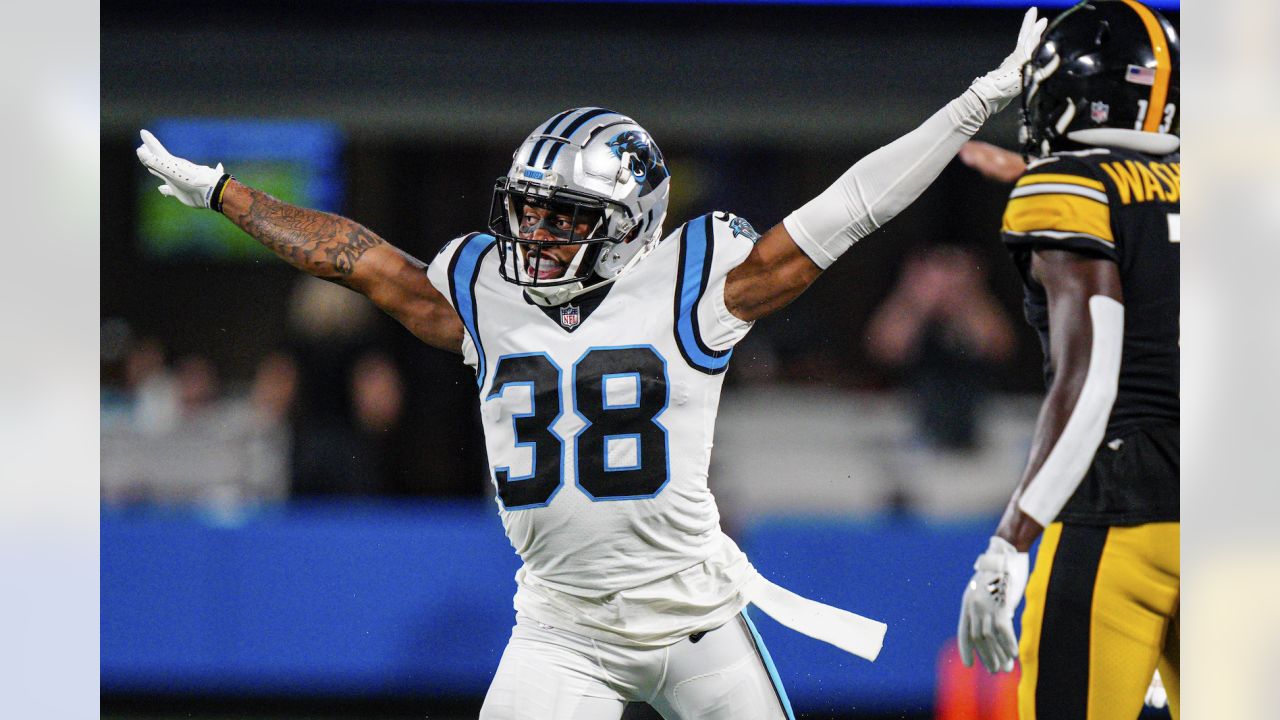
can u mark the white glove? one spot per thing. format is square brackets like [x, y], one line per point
[1156, 696]
[1000, 86]
[986, 613]
[193, 185]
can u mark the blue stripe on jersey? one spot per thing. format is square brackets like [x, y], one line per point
[571, 129]
[768, 664]
[696, 245]
[464, 270]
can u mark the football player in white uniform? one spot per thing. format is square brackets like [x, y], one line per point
[599, 347]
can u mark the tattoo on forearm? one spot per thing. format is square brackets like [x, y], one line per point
[319, 243]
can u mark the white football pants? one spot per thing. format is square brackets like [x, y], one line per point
[551, 674]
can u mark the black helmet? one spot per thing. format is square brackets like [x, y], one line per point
[1105, 73]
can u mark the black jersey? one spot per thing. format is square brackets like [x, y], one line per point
[1121, 205]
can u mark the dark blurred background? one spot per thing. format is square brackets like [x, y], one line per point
[247, 409]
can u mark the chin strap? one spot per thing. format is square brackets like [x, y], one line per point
[553, 295]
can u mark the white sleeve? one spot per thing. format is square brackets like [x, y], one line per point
[438, 268]
[734, 238]
[709, 247]
[882, 184]
[1069, 460]
[438, 274]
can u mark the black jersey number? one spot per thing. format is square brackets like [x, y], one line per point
[621, 452]
[532, 429]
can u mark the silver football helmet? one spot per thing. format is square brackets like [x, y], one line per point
[596, 170]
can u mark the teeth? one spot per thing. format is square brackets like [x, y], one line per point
[548, 267]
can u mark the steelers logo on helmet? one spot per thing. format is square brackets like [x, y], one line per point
[583, 202]
[1105, 73]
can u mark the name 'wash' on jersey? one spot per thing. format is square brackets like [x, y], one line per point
[599, 436]
[1149, 181]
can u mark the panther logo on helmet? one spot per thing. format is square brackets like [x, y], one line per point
[646, 163]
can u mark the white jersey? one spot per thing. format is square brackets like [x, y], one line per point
[598, 419]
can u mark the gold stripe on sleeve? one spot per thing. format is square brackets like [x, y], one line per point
[1060, 178]
[1058, 212]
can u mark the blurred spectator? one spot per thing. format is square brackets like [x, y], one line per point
[152, 395]
[275, 385]
[196, 385]
[943, 329]
[387, 446]
[377, 393]
[173, 438]
[343, 393]
[263, 415]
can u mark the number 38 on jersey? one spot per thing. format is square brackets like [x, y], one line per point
[617, 449]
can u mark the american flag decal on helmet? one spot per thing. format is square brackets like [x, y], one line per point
[1140, 75]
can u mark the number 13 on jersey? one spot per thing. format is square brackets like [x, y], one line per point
[621, 450]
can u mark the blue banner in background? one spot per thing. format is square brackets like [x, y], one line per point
[314, 146]
[385, 599]
[311, 600]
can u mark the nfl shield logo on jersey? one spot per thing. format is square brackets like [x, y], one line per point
[570, 316]
[1098, 112]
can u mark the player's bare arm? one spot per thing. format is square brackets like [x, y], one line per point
[1071, 280]
[340, 250]
[774, 273]
[1086, 335]
[879, 186]
[318, 243]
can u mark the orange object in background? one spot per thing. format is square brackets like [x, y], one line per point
[973, 693]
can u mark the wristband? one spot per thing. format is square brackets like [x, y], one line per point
[215, 197]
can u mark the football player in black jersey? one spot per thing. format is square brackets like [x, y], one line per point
[1093, 226]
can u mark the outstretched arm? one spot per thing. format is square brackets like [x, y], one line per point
[318, 243]
[793, 253]
[334, 248]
